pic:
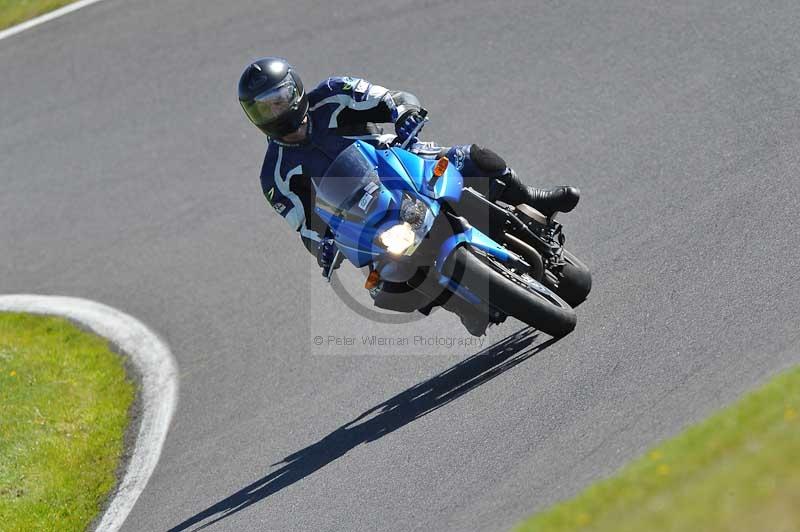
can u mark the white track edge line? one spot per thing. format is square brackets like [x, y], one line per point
[41, 19]
[158, 391]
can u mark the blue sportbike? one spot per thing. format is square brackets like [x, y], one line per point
[429, 241]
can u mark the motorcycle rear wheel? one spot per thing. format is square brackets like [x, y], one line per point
[574, 280]
[511, 293]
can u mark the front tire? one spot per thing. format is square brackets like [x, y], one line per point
[513, 294]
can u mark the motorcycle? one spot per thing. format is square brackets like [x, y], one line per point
[429, 241]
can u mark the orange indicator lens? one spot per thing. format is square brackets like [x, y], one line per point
[441, 166]
[372, 280]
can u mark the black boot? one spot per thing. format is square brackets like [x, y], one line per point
[559, 199]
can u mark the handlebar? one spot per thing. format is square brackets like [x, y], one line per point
[423, 113]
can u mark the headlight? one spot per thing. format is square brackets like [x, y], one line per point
[413, 211]
[416, 220]
[398, 238]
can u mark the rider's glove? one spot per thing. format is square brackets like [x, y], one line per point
[406, 124]
[326, 255]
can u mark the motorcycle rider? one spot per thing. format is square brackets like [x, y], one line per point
[307, 130]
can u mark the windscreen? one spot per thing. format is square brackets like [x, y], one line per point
[349, 184]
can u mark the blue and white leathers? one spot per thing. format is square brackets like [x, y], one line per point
[341, 110]
[363, 194]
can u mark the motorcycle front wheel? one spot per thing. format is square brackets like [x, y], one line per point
[510, 292]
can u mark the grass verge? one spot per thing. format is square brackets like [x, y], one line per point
[738, 470]
[65, 399]
[13, 12]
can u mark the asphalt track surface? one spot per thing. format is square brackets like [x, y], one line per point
[129, 176]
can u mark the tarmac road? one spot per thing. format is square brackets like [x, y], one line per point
[130, 176]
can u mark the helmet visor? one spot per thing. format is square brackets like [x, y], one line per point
[271, 105]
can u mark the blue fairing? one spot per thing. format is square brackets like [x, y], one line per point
[357, 220]
[419, 170]
[406, 166]
[400, 172]
[474, 238]
[354, 239]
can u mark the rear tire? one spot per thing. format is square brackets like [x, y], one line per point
[511, 293]
[574, 280]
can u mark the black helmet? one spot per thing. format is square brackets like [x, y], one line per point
[272, 96]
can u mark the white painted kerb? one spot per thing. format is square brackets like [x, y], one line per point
[158, 392]
[60, 12]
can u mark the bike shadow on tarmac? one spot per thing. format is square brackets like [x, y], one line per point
[392, 414]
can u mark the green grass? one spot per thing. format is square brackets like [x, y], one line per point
[64, 401]
[15, 11]
[737, 471]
